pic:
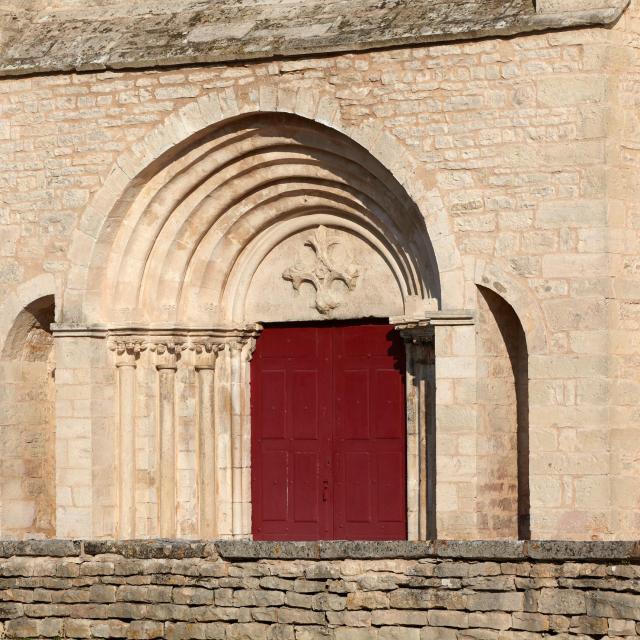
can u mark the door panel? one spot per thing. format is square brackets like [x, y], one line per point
[274, 475]
[327, 405]
[352, 405]
[272, 402]
[304, 404]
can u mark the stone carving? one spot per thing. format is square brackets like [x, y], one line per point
[322, 273]
[206, 353]
[127, 351]
[167, 353]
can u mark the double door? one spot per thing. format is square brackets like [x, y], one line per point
[328, 433]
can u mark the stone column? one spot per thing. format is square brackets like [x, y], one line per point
[205, 365]
[235, 350]
[127, 354]
[245, 437]
[419, 385]
[166, 365]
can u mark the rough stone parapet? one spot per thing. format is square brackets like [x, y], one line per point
[231, 590]
[118, 35]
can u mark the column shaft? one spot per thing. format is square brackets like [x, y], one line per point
[206, 453]
[422, 449]
[126, 450]
[236, 437]
[246, 439]
[167, 451]
[413, 465]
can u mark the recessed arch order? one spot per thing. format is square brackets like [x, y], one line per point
[173, 239]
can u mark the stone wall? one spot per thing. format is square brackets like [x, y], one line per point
[524, 155]
[304, 591]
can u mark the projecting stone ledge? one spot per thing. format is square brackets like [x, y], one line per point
[543, 550]
[551, 550]
[106, 34]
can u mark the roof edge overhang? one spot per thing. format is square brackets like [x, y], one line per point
[41, 41]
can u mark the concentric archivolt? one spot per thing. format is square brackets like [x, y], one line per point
[184, 246]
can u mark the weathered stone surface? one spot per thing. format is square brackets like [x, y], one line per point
[146, 549]
[562, 601]
[57, 548]
[291, 599]
[613, 605]
[120, 35]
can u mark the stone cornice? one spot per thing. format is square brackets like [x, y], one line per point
[124, 34]
[514, 550]
[155, 332]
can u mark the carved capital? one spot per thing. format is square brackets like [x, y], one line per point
[244, 347]
[206, 353]
[127, 352]
[167, 353]
[244, 341]
[249, 349]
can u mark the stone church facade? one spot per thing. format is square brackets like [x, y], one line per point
[472, 182]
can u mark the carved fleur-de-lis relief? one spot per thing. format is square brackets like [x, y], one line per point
[323, 272]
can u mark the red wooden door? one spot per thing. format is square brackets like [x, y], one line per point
[328, 433]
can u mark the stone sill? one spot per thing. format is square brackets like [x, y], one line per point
[236, 550]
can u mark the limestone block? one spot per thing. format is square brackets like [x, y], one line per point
[399, 617]
[398, 633]
[492, 602]
[561, 91]
[491, 620]
[613, 605]
[458, 619]
[350, 633]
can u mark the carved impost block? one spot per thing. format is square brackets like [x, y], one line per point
[127, 351]
[419, 337]
[167, 353]
[206, 353]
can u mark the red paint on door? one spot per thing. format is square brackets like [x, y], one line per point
[328, 433]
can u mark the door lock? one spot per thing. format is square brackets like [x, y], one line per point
[325, 491]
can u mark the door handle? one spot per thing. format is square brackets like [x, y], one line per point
[325, 491]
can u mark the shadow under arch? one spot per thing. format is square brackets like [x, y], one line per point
[503, 398]
[27, 426]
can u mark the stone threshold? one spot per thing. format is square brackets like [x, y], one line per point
[242, 550]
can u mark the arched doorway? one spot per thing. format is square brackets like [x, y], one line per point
[263, 219]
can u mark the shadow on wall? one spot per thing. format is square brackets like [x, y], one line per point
[27, 396]
[503, 400]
